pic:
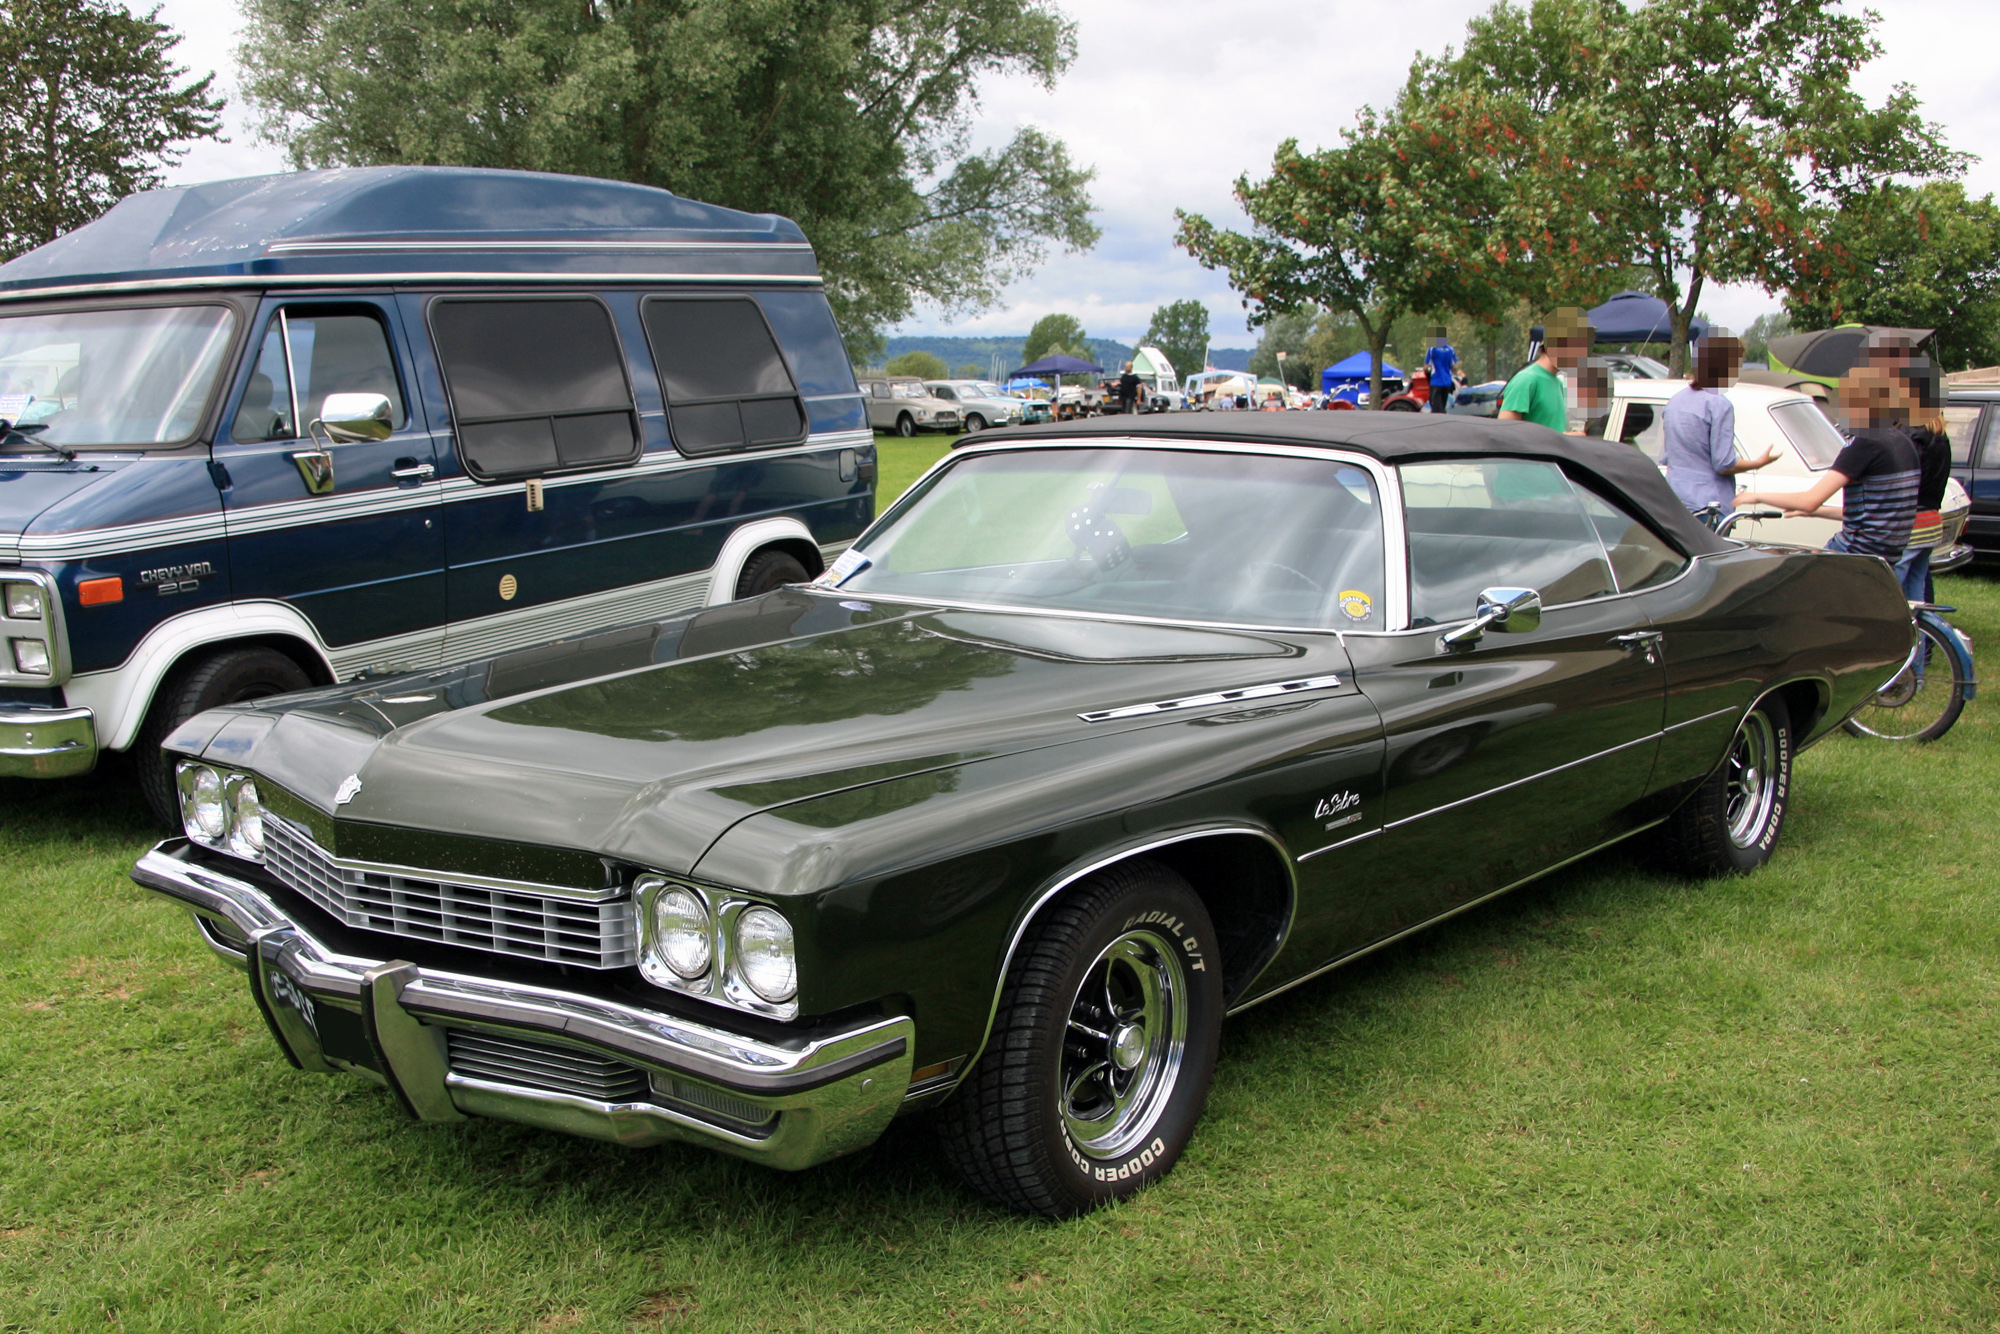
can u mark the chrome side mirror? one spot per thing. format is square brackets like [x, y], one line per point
[1506, 610]
[351, 418]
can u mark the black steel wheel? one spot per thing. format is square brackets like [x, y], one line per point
[769, 569]
[1732, 821]
[906, 425]
[206, 681]
[1922, 701]
[1101, 1052]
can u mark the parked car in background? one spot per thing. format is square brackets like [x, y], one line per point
[285, 431]
[1156, 373]
[980, 403]
[1807, 444]
[902, 404]
[1631, 366]
[1972, 418]
[1104, 731]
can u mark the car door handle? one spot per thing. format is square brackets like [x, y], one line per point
[1648, 641]
[411, 470]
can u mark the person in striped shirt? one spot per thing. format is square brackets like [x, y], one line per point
[1877, 471]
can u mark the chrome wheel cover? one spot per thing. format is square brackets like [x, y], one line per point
[1123, 1044]
[1750, 787]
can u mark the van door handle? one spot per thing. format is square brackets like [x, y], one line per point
[411, 470]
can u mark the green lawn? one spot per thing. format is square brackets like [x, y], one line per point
[1611, 1101]
[899, 462]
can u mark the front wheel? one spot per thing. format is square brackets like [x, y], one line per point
[1399, 405]
[225, 676]
[906, 425]
[1732, 821]
[1923, 700]
[975, 422]
[1102, 1049]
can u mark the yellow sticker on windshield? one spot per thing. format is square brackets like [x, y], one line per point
[1356, 605]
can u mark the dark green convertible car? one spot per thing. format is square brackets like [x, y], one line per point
[1101, 733]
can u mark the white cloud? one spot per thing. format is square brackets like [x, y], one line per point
[1171, 100]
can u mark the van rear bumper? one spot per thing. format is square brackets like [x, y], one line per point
[46, 743]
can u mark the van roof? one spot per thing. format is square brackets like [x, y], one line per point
[410, 224]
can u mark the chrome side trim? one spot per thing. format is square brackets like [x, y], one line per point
[452, 247]
[1429, 922]
[273, 282]
[1308, 856]
[1213, 697]
[1068, 878]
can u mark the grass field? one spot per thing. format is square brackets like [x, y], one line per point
[1611, 1101]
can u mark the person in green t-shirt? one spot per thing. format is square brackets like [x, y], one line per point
[1536, 392]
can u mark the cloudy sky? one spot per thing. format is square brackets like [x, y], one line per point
[1172, 99]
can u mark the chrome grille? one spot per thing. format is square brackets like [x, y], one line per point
[543, 1066]
[518, 922]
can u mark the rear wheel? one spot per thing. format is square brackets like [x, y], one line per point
[1732, 821]
[1399, 405]
[225, 676]
[1922, 701]
[1102, 1049]
[767, 570]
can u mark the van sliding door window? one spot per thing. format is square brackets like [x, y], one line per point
[537, 385]
[726, 383]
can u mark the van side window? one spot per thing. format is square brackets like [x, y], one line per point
[332, 352]
[726, 383]
[537, 385]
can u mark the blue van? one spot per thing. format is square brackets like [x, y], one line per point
[291, 430]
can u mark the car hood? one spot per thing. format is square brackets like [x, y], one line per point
[30, 487]
[651, 765]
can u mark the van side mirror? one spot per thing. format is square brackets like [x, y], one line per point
[1504, 610]
[352, 418]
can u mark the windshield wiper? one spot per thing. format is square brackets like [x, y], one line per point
[14, 432]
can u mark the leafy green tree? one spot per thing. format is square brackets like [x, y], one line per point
[1924, 257]
[1292, 335]
[1704, 140]
[849, 116]
[92, 109]
[971, 370]
[1055, 334]
[923, 365]
[1757, 335]
[1180, 330]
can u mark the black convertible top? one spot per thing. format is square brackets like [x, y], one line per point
[1406, 437]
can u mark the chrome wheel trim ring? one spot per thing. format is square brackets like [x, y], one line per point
[1110, 1098]
[1750, 791]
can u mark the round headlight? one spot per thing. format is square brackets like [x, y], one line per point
[680, 933]
[207, 817]
[765, 954]
[246, 835]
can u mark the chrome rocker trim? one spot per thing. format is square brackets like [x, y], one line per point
[820, 1097]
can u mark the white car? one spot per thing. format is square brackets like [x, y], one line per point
[981, 403]
[1807, 444]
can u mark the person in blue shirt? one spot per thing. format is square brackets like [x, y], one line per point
[1441, 363]
[1699, 429]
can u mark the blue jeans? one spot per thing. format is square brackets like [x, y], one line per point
[1913, 570]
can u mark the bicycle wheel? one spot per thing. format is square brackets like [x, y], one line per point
[1922, 701]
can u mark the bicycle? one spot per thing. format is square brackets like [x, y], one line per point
[1918, 703]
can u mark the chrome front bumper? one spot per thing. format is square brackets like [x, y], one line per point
[1946, 559]
[788, 1104]
[46, 743]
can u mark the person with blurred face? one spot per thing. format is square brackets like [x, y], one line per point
[1441, 365]
[1895, 351]
[1699, 429]
[1536, 392]
[1877, 470]
[1593, 400]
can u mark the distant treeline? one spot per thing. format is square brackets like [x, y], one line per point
[956, 352]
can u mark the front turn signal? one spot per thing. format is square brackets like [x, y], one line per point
[97, 592]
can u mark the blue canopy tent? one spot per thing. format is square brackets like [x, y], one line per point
[1349, 379]
[1632, 317]
[1025, 382]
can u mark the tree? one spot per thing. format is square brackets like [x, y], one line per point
[1292, 335]
[971, 370]
[1181, 331]
[1757, 335]
[921, 364]
[1345, 228]
[1058, 334]
[849, 116]
[1924, 257]
[1705, 140]
[92, 110]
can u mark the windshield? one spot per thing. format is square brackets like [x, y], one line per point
[1810, 433]
[909, 391]
[1233, 538]
[987, 389]
[113, 377]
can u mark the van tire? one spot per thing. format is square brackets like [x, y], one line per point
[769, 569]
[200, 682]
[906, 425]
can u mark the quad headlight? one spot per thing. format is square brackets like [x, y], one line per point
[705, 942]
[221, 809]
[24, 602]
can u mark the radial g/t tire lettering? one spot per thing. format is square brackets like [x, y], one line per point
[1101, 1053]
